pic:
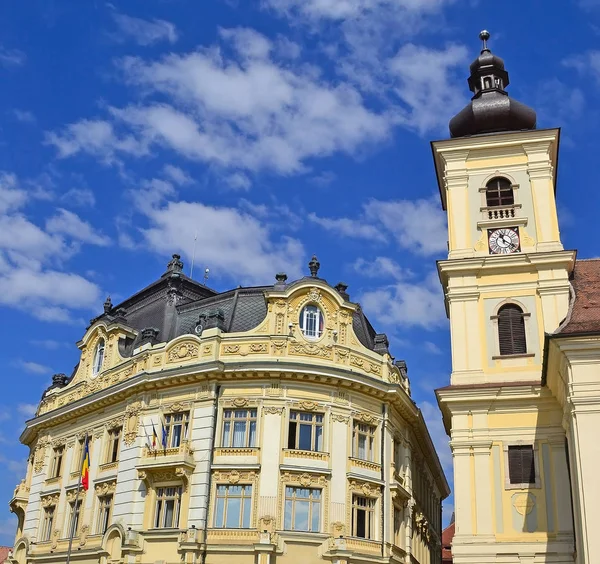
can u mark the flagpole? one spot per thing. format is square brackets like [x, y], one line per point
[76, 500]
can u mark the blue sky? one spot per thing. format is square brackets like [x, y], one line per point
[273, 130]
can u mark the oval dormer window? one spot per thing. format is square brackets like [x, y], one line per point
[311, 322]
[98, 357]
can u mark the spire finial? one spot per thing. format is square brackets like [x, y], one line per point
[314, 266]
[484, 35]
[175, 264]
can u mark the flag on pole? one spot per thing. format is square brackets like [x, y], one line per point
[85, 466]
[164, 437]
[154, 437]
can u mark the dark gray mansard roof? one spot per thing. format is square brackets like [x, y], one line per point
[175, 304]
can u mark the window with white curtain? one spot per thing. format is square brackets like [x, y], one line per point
[311, 322]
[168, 504]
[176, 426]
[98, 357]
[239, 428]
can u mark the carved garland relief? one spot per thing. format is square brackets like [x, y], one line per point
[183, 351]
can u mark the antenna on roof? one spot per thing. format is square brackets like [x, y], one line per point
[193, 255]
[206, 271]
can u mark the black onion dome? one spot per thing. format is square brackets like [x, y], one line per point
[491, 109]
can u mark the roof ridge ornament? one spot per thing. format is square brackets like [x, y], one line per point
[314, 266]
[491, 109]
[484, 35]
[175, 264]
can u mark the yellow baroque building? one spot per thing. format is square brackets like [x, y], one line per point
[523, 405]
[265, 425]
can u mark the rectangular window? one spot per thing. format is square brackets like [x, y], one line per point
[168, 504]
[521, 464]
[233, 506]
[302, 509]
[239, 428]
[48, 523]
[363, 441]
[114, 442]
[305, 431]
[398, 541]
[56, 463]
[74, 510]
[363, 517]
[104, 513]
[176, 425]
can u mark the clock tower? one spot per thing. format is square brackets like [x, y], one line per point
[506, 284]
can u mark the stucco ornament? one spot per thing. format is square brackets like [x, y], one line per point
[183, 351]
[132, 413]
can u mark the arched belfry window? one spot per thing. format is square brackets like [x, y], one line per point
[499, 192]
[98, 357]
[511, 330]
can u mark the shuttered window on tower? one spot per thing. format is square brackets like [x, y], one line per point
[511, 330]
[521, 464]
[499, 192]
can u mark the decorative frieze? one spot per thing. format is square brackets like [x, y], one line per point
[183, 351]
[337, 417]
[234, 476]
[272, 410]
[105, 488]
[364, 488]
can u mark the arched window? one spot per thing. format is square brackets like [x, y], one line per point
[98, 357]
[511, 330]
[499, 192]
[311, 322]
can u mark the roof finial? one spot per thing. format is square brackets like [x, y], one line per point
[175, 264]
[107, 305]
[314, 266]
[484, 35]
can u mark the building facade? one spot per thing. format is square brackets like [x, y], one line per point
[522, 404]
[265, 425]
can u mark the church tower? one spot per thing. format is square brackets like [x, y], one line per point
[506, 284]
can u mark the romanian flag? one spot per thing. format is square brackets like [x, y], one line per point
[85, 466]
[154, 437]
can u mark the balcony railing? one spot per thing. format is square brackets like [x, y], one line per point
[500, 212]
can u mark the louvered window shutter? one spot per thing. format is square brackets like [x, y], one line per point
[521, 464]
[511, 330]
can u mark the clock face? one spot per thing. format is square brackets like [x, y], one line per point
[504, 241]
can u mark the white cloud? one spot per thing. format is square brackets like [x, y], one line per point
[233, 244]
[11, 196]
[48, 295]
[238, 107]
[432, 348]
[80, 197]
[238, 181]
[417, 225]
[69, 223]
[11, 57]
[348, 227]
[23, 116]
[587, 63]
[381, 267]
[407, 304]
[27, 409]
[32, 367]
[145, 32]
[425, 84]
[177, 175]
[48, 344]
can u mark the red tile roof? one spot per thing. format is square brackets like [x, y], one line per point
[4, 550]
[447, 536]
[584, 313]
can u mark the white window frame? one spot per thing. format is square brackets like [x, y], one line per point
[57, 462]
[305, 320]
[162, 496]
[48, 520]
[313, 423]
[245, 497]
[75, 508]
[98, 357]
[370, 516]
[291, 495]
[114, 442]
[370, 434]
[104, 512]
[250, 420]
[170, 423]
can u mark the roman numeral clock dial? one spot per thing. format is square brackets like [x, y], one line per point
[504, 241]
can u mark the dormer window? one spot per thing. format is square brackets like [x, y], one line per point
[499, 192]
[98, 357]
[311, 322]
